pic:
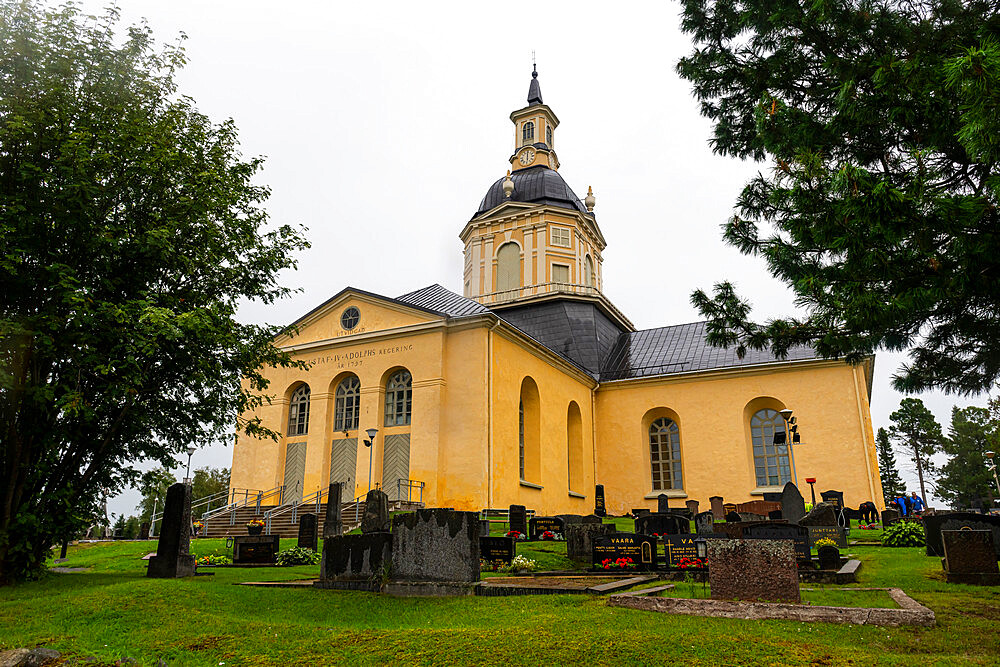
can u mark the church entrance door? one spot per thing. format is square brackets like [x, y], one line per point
[344, 462]
[295, 472]
[396, 464]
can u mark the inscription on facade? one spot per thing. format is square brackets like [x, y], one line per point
[354, 358]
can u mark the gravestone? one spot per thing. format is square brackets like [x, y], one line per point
[835, 498]
[494, 549]
[704, 523]
[828, 557]
[753, 570]
[331, 522]
[717, 507]
[662, 503]
[692, 506]
[730, 508]
[823, 514]
[580, 538]
[937, 522]
[775, 515]
[173, 557]
[356, 557]
[376, 516]
[517, 517]
[570, 518]
[733, 517]
[591, 518]
[638, 511]
[677, 547]
[640, 548]
[540, 524]
[144, 530]
[308, 532]
[793, 507]
[600, 509]
[760, 507]
[484, 527]
[656, 523]
[750, 516]
[889, 517]
[772, 496]
[255, 548]
[799, 535]
[435, 545]
[835, 533]
[969, 557]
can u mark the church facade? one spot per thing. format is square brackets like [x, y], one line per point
[531, 387]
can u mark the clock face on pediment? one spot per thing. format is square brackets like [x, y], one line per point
[527, 156]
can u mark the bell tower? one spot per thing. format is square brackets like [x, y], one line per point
[534, 131]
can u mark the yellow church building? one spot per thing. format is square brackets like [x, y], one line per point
[532, 387]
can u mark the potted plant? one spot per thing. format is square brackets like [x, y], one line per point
[255, 527]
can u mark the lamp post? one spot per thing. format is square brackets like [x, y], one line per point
[187, 475]
[993, 467]
[370, 444]
[791, 437]
[812, 490]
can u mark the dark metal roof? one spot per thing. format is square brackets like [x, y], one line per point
[443, 301]
[536, 185]
[680, 349]
[534, 90]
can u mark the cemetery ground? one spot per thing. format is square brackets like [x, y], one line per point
[111, 611]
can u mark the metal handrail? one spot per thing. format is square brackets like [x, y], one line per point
[409, 485]
[255, 499]
[204, 501]
[293, 507]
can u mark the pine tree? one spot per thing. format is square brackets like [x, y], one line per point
[915, 430]
[879, 203]
[966, 477]
[892, 484]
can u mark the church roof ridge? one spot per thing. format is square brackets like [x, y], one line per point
[442, 300]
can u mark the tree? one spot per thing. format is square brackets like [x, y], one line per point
[892, 484]
[153, 485]
[879, 120]
[207, 482]
[130, 232]
[965, 477]
[915, 430]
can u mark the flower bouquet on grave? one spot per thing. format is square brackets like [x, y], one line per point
[255, 527]
[624, 563]
[691, 563]
[198, 526]
[548, 535]
[516, 534]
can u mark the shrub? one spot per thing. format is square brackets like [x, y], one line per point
[298, 556]
[214, 559]
[825, 542]
[904, 534]
[520, 564]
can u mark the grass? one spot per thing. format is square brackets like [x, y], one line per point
[112, 611]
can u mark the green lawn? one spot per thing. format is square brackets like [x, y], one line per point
[112, 611]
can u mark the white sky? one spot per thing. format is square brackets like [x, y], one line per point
[384, 123]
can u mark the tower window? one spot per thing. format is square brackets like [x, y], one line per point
[560, 236]
[527, 133]
[548, 136]
[560, 273]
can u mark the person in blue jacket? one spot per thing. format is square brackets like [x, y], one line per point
[918, 503]
[901, 504]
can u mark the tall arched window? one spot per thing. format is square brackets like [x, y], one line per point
[588, 272]
[769, 460]
[347, 404]
[527, 133]
[574, 446]
[298, 411]
[398, 399]
[665, 454]
[548, 136]
[529, 432]
[508, 267]
[520, 436]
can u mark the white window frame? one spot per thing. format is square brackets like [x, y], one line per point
[553, 273]
[553, 235]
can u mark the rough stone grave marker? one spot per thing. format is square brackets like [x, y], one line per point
[435, 545]
[935, 523]
[356, 557]
[255, 548]
[730, 508]
[540, 524]
[308, 532]
[692, 506]
[782, 531]
[969, 557]
[718, 507]
[662, 503]
[580, 538]
[376, 516]
[494, 549]
[517, 517]
[173, 551]
[823, 514]
[640, 548]
[331, 522]
[793, 507]
[704, 523]
[753, 570]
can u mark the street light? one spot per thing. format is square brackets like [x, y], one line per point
[187, 475]
[788, 437]
[993, 467]
[369, 443]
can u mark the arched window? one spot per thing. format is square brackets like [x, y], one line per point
[588, 272]
[398, 399]
[347, 405]
[298, 411]
[527, 133]
[769, 460]
[520, 436]
[529, 432]
[548, 136]
[508, 267]
[665, 454]
[574, 446]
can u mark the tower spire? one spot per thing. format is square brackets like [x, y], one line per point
[534, 90]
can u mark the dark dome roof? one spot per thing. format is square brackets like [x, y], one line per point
[534, 185]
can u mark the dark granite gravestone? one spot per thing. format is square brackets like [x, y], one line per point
[580, 539]
[733, 517]
[775, 515]
[600, 509]
[592, 518]
[684, 512]
[677, 547]
[331, 521]
[144, 530]
[376, 516]
[173, 557]
[750, 516]
[656, 523]
[793, 507]
[517, 517]
[662, 503]
[772, 496]
[256, 548]
[494, 549]
[969, 557]
[730, 508]
[935, 523]
[753, 570]
[835, 498]
[356, 557]
[692, 506]
[717, 507]
[799, 535]
[704, 523]
[570, 518]
[540, 524]
[889, 517]
[640, 548]
[435, 545]
[828, 557]
[835, 533]
[484, 527]
[823, 514]
[308, 532]
[760, 507]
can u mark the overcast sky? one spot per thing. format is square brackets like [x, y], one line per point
[384, 123]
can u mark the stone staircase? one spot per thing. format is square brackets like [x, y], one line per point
[225, 525]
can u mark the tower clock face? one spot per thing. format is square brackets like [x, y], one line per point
[527, 156]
